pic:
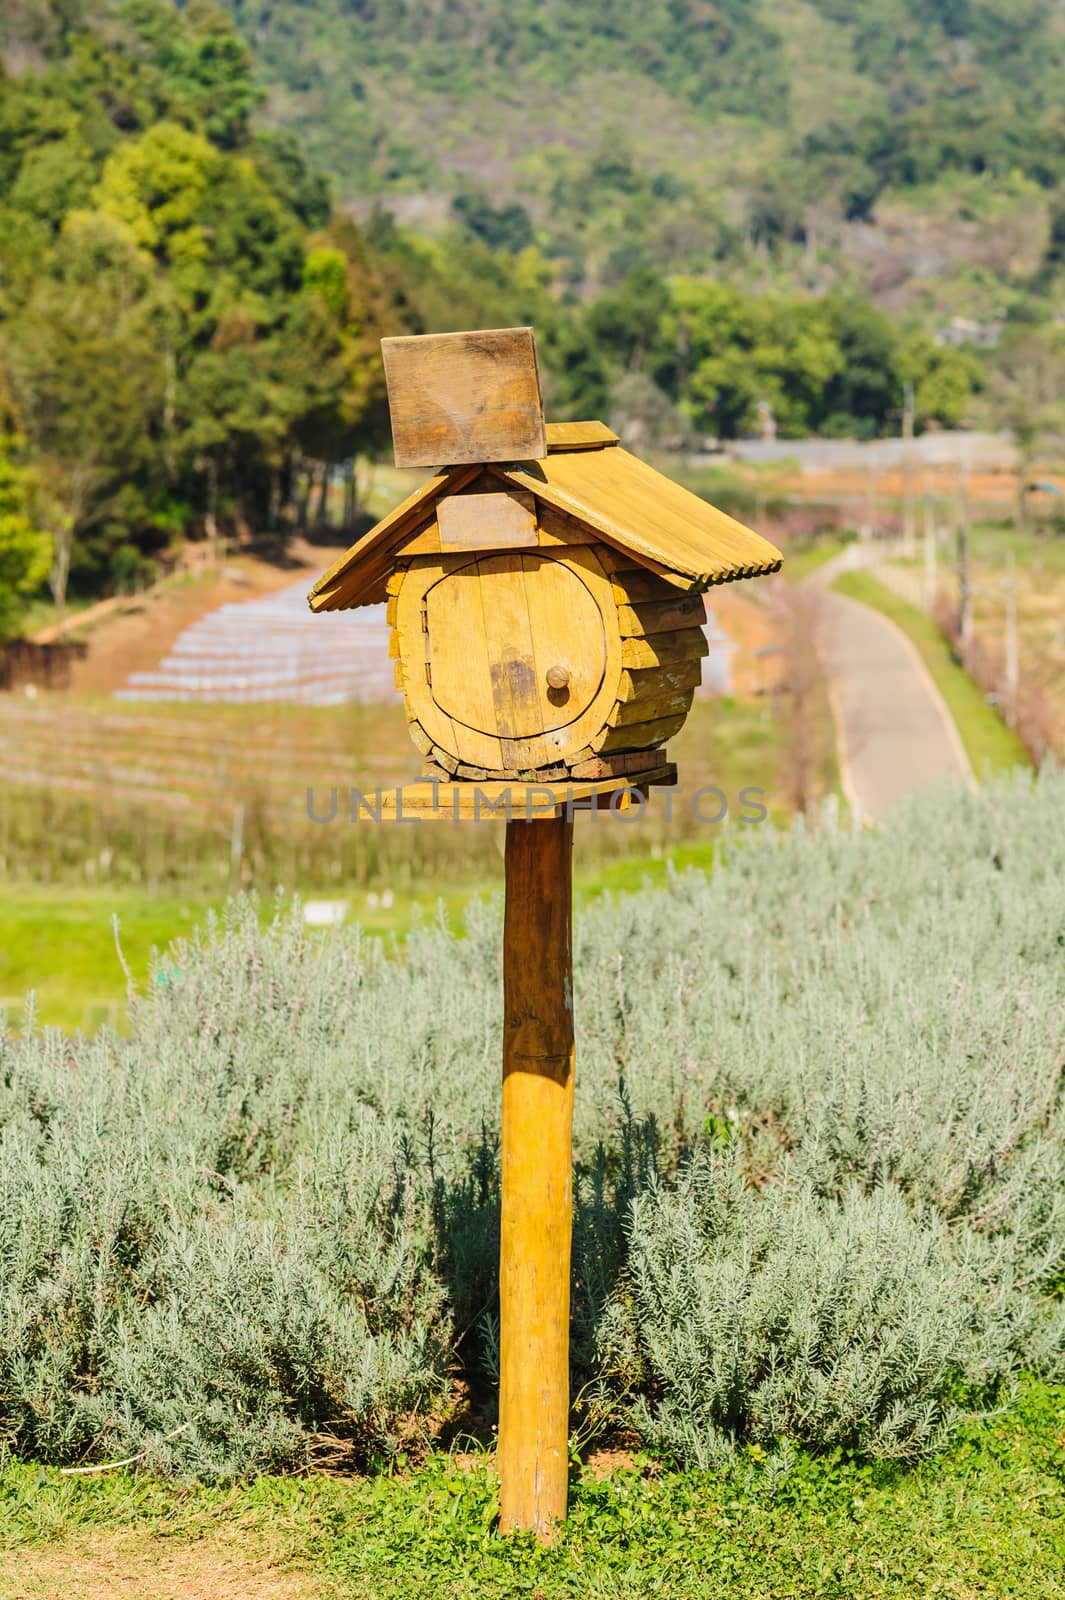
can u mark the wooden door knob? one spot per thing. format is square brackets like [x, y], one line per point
[557, 677]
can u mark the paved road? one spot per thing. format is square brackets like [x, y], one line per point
[896, 736]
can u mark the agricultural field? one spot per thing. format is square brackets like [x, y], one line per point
[155, 811]
[819, 1243]
[155, 814]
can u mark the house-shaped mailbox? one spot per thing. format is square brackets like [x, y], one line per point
[547, 614]
[546, 618]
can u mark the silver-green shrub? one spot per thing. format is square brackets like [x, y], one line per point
[820, 1163]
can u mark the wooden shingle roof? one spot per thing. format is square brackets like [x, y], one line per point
[587, 475]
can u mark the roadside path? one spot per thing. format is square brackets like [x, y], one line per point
[895, 734]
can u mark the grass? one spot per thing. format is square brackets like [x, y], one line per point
[59, 941]
[1037, 547]
[991, 746]
[56, 936]
[985, 1520]
[802, 557]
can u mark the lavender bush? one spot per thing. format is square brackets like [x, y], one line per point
[820, 1164]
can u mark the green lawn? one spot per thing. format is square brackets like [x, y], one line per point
[59, 941]
[984, 1522]
[56, 937]
[806, 555]
[991, 746]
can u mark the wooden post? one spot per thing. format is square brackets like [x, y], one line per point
[909, 521]
[537, 1212]
[965, 582]
[1013, 672]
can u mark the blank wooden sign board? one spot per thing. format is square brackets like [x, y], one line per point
[461, 397]
[545, 596]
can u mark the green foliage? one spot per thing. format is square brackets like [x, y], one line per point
[985, 1518]
[25, 550]
[741, 137]
[271, 1211]
[943, 379]
[161, 324]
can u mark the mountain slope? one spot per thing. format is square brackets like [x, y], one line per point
[889, 144]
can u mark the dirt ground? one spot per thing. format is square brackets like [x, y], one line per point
[137, 1566]
[991, 488]
[139, 632]
[752, 625]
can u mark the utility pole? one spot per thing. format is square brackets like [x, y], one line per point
[909, 530]
[1013, 674]
[965, 587]
[930, 552]
[869, 526]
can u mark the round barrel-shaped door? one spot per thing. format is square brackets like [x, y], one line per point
[516, 646]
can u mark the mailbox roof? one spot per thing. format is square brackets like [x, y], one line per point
[588, 476]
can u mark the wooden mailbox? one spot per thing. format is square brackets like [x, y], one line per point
[547, 632]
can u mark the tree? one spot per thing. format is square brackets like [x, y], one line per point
[504, 227]
[627, 323]
[733, 351]
[943, 379]
[861, 396]
[25, 549]
[1027, 397]
[85, 370]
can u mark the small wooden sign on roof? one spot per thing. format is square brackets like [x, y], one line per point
[458, 398]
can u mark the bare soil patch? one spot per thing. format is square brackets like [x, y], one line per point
[136, 1566]
[140, 632]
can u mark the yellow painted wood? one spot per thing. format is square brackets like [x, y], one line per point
[420, 738]
[460, 692]
[536, 1222]
[426, 542]
[660, 649]
[555, 528]
[640, 735]
[457, 649]
[644, 516]
[579, 436]
[646, 513]
[490, 799]
[568, 638]
[360, 576]
[653, 707]
[640, 586]
[648, 681]
[487, 520]
[511, 663]
[617, 560]
[475, 748]
[464, 397]
[663, 616]
[517, 620]
[615, 766]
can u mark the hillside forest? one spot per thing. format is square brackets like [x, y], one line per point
[208, 220]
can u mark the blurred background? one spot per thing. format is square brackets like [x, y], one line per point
[809, 258]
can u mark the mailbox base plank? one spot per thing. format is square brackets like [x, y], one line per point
[435, 799]
[536, 1226]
